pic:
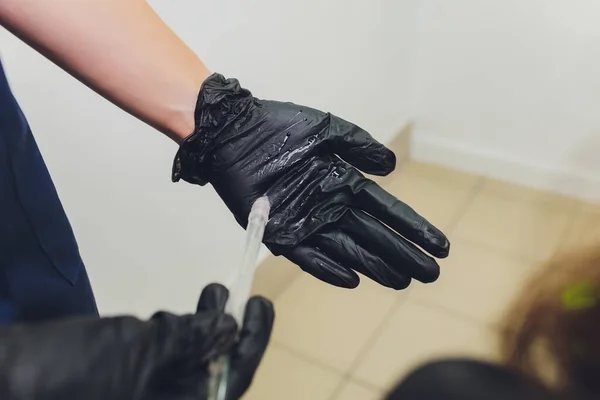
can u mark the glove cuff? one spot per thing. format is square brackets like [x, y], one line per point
[220, 102]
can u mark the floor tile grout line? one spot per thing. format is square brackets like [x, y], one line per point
[359, 382]
[370, 342]
[572, 213]
[521, 256]
[338, 389]
[307, 358]
[317, 363]
[287, 285]
[466, 206]
[347, 375]
[366, 385]
[456, 314]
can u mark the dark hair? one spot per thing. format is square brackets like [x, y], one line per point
[552, 330]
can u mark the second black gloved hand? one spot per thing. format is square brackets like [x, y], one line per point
[123, 358]
[325, 215]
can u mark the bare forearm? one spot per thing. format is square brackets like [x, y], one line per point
[119, 48]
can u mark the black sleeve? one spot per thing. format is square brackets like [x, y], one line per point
[67, 359]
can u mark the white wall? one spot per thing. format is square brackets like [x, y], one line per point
[151, 244]
[511, 89]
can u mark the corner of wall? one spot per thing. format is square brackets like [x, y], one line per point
[557, 179]
[401, 143]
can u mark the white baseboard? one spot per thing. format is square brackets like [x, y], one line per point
[572, 183]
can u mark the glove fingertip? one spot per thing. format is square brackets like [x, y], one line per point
[259, 302]
[328, 271]
[318, 264]
[436, 243]
[253, 340]
[379, 162]
[431, 272]
[213, 298]
[260, 309]
[387, 162]
[342, 278]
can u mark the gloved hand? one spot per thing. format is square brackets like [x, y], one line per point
[125, 358]
[325, 215]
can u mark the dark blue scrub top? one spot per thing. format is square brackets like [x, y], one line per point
[42, 275]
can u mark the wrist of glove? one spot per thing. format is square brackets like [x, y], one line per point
[166, 357]
[325, 215]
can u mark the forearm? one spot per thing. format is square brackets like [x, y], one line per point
[119, 48]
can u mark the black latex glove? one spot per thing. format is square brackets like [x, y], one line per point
[325, 215]
[125, 358]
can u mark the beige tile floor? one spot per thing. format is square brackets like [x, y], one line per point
[335, 344]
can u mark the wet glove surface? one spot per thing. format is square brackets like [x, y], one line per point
[325, 215]
[124, 358]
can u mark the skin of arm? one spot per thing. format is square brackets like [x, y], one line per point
[119, 48]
